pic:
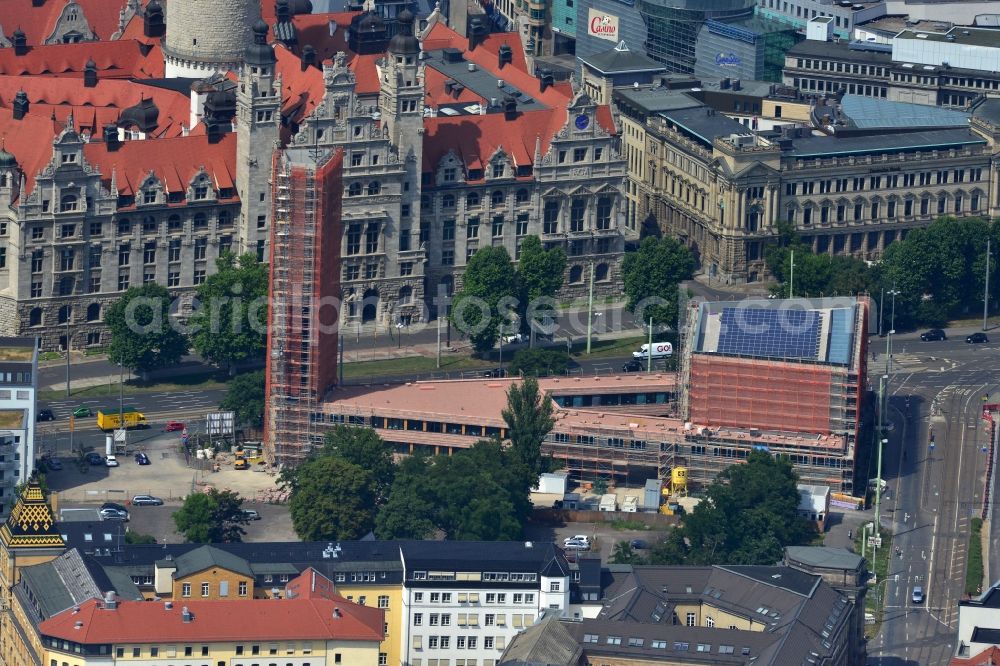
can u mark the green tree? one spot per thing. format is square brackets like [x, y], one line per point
[623, 553]
[213, 517]
[489, 281]
[749, 515]
[136, 539]
[652, 274]
[409, 511]
[528, 416]
[539, 362]
[245, 397]
[230, 320]
[364, 448]
[142, 337]
[540, 275]
[332, 499]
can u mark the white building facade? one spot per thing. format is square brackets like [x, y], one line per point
[464, 609]
[18, 377]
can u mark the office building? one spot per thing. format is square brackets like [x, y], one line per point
[751, 48]
[672, 27]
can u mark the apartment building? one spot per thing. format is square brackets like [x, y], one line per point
[464, 604]
[18, 377]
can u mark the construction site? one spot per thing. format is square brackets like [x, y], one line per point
[305, 291]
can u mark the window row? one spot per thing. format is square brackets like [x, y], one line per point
[222, 589]
[893, 181]
[860, 211]
[125, 226]
[467, 643]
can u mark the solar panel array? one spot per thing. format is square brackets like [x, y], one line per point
[769, 333]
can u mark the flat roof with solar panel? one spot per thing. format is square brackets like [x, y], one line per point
[807, 330]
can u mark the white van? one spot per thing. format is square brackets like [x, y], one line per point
[660, 350]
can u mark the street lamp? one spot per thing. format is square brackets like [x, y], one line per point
[892, 329]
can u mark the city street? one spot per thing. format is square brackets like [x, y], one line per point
[934, 490]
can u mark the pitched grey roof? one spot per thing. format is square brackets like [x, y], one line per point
[71, 579]
[207, 557]
[820, 146]
[547, 643]
[620, 60]
[824, 557]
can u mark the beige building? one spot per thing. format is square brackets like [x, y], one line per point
[861, 183]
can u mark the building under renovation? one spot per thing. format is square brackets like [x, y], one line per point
[302, 344]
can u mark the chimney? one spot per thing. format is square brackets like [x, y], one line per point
[152, 20]
[111, 138]
[21, 105]
[510, 107]
[110, 601]
[724, 84]
[90, 74]
[308, 56]
[20, 42]
[476, 32]
[186, 615]
[736, 84]
[168, 605]
[282, 11]
[546, 79]
[505, 56]
[337, 613]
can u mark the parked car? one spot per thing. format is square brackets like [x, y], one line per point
[251, 514]
[111, 461]
[635, 365]
[81, 412]
[578, 537]
[639, 544]
[114, 505]
[575, 545]
[45, 415]
[933, 335]
[918, 594]
[141, 458]
[514, 338]
[146, 500]
[94, 458]
[114, 514]
[175, 425]
[53, 464]
[495, 373]
[976, 338]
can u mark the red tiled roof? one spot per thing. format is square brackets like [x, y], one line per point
[118, 59]
[988, 657]
[314, 29]
[30, 141]
[301, 89]
[310, 584]
[175, 161]
[365, 73]
[37, 23]
[95, 107]
[435, 94]
[263, 619]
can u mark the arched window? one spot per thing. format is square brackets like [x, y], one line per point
[65, 312]
[522, 196]
[67, 202]
[374, 187]
[405, 295]
[448, 201]
[35, 317]
[576, 274]
[94, 312]
[601, 273]
[497, 197]
[174, 223]
[472, 200]
[354, 190]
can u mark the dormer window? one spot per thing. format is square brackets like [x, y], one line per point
[67, 203]
[149, 197]
[200, 192]
[449, 175]
[498, 169]
[69, 158]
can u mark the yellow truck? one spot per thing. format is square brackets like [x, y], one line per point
[108, 419]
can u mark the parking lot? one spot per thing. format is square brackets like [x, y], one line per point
[603, 536]
[170, 477]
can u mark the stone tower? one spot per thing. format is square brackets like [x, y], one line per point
[258, 118]
[205, 36]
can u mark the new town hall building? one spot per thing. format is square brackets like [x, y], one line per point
[129, 160]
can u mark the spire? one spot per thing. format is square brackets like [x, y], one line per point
[621, 47]
[538, 150]
[31, 523]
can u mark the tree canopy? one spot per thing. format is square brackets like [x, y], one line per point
[230, 323]
[332, 499]
[815, 274]
[364, 448]
[213, 517]
[538, 362]
[489, 280]
[245, 397]
[142, 337]
[540, 274]
[651, 276]
[748, 516]
[528, 416]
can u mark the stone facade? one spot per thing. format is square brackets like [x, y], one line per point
[206, 36]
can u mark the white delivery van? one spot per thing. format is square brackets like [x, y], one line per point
[660, 350]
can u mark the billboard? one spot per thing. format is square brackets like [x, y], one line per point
[602, 25]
